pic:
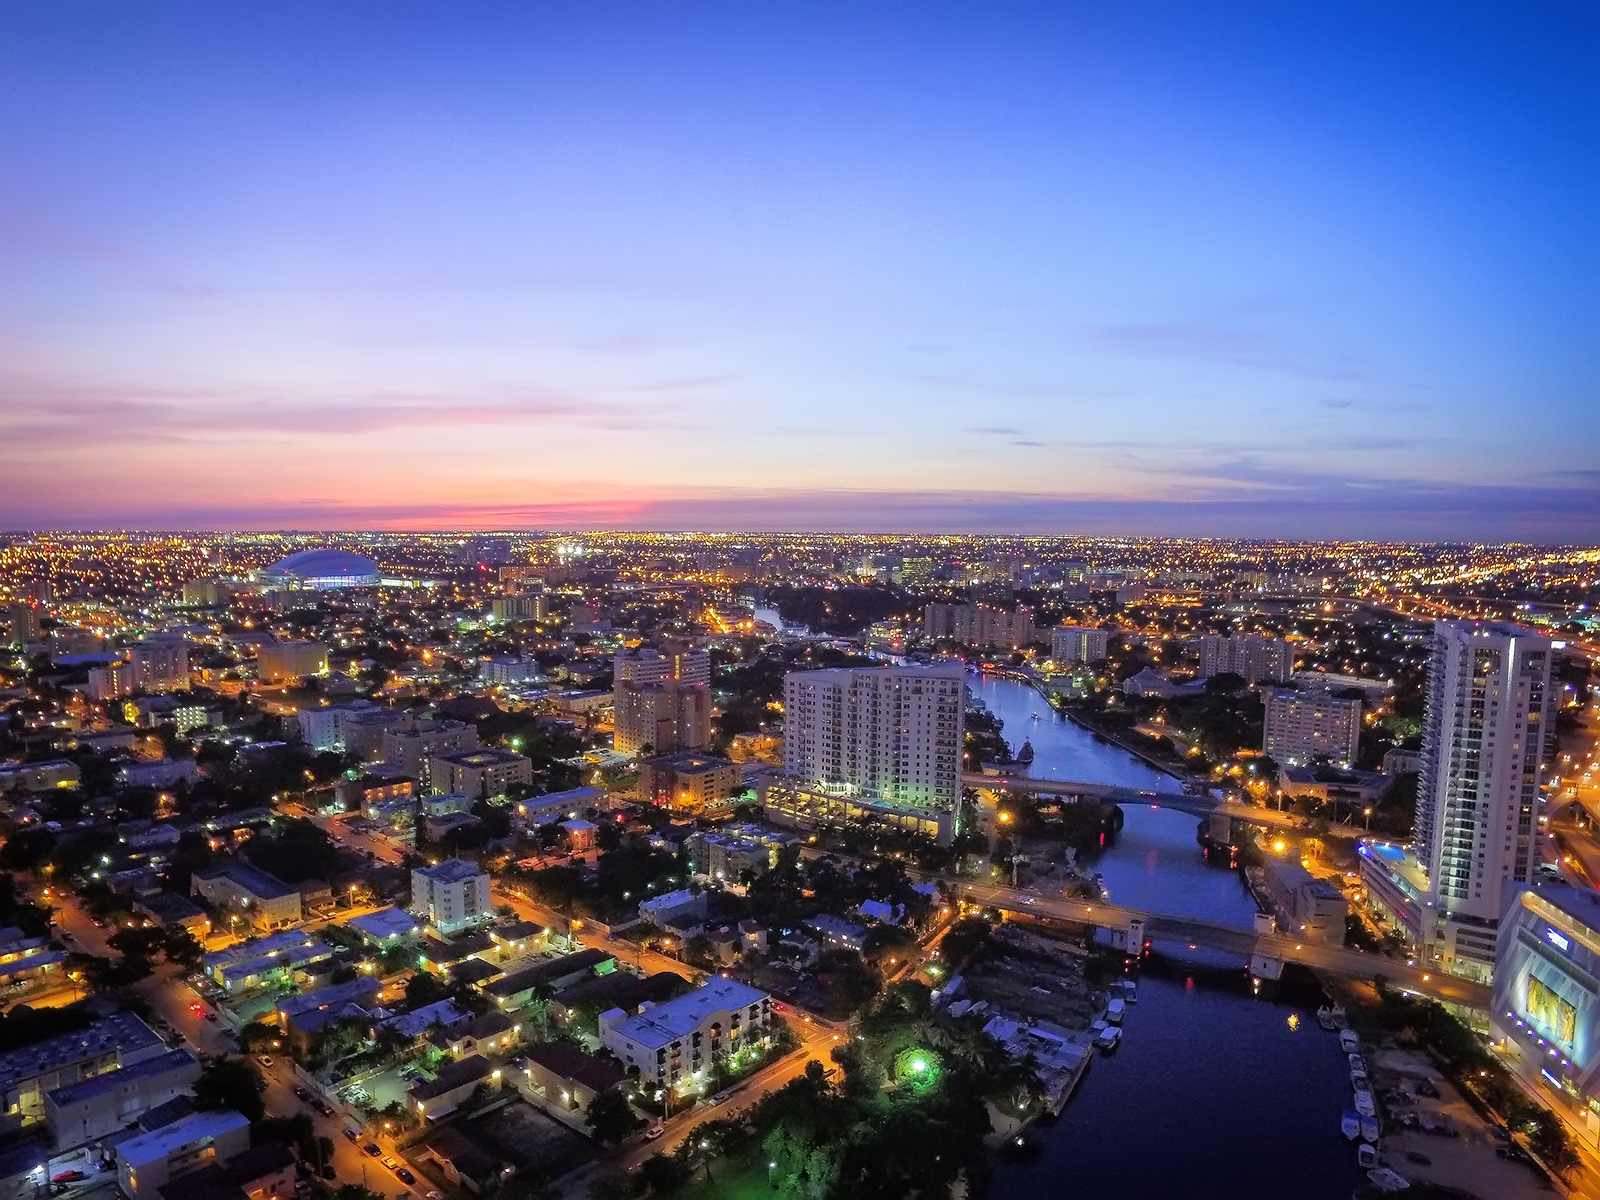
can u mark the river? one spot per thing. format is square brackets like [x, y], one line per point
[1215, 1093]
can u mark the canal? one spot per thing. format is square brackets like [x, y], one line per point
[1215, 1092]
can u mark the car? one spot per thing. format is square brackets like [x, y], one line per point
[353, 1134]
[371, 1149]
[404, 1176]
[67, 1176]
[721, 1097]
[302, 1094]
[390, 1163]
[323, 1107]
[212, 1017]
[194, 1006]
[435, 1196]
[264, 1059]
[653, 1133]
[329, 1171]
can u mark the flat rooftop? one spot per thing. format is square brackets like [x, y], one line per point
[667, 1023]
[451, 870]
[152, 1147]
[121, 1032]
[383, 924]
[76, 1093]
[252, 879]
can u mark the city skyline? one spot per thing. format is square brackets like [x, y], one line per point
[1164, 270]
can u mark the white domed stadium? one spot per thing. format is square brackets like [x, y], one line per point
[320, 570]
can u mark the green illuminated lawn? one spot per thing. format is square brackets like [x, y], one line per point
[729, 1183]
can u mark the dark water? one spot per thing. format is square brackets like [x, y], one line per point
[1215, 1093]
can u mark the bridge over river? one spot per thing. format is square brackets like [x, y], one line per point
[1266, 952]
[1199, 805]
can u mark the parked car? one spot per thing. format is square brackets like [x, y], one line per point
[301, 1093]
[653, 1133]
[353, 1134]
[371, 1148]
[323, 1107]
[68, 1176]
[405, 1176]
[211, 1016]
[329, 1171]
[390, 1163]
[265, 1060]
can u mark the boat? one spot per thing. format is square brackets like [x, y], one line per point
[1357, 1063]
[1114, 1011]
[1325, 1018]
[1340, 1020]
[1108, 1040]
[1128, 988]
[1370, 1128]
[1366, 1155]
[1388, 1180]
[1349, 1041]
[1350, 1125]
[1359, 1081]
[1364, 1104]
[1025, 755]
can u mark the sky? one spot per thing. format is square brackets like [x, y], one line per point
[1188, 268]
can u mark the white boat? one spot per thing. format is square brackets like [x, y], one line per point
[1388, 1180]
[1370, 1128]
[1350, 1125]
[1349, 1041]
[1114, 1011]
[1339, 1018]
[1357, 1063]
[1128, 988]
[1359, 1081]
[1108, 1040]
[1364, 1104]
[1366, 1155]
[1325, 1018]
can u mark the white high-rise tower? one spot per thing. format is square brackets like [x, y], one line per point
[1477, 800]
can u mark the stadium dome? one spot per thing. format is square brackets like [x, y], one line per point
[321, 569]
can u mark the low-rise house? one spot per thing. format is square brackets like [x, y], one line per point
[28, 1072]
[518, 939]
[559, 1075]
[558, 806]
[437, 829]
[443, 958]
[27, 962]
[493, 1033]
[420, 1022]
[682, 909]
[454, 1085]
[837, 933]
[585, 1001]
[302, 1017]
[204, 1139]
[517, 989]
[262, 961]
[464, 1163]
[386, 927]
[264, 1172]
[261, 899]
[170, 909]
[103, 1104]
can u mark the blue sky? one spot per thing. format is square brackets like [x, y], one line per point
[1308, 270]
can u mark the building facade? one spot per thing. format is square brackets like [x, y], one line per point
[285, 661]
[675, 1044]
[662, 699]
[1076, 644]
[873, 744]
[1255, 659]
[688, 781]
[452, 896]
[1484, 733]
[481, 772]
[980, 625]
[1303, 726]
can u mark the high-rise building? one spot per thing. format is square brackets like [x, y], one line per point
[1301, 727]
[507, 610]
[980, 624]
[1254, 659]
[26, 624]
[286, 661]
[480, 772]
[1482, 745]
[160, 664]
[662, 699]
[451, 896]
[112, 680]
[1076, 644]
[873, 745]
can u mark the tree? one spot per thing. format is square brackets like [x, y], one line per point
[610, 1117]
[182, 949]
[663, 1173]
[613, 1185]
[231, 1083]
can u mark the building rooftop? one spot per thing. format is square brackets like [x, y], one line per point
[121, 1031]
[470, 1069]
[291, 1007]
[152, 1147]
[384, 924]
[516, 931]
[569, 1062]
[75, 1093]
[251, 879]
[487, 756]
[666, 1023]
[555, 968]
[450, 870]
